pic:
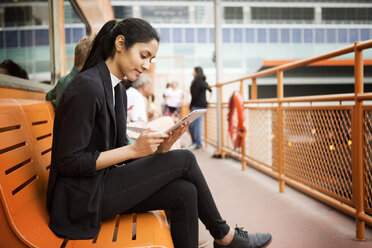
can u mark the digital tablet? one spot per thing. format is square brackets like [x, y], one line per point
[192, 116]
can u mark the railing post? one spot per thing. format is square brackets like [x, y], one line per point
[280, 94]
[242, 151]
[254, 89]
[357, 141]
[221, 120]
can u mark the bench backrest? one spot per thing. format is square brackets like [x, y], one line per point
[25, 148]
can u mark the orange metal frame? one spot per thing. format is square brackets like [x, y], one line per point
[285, 118]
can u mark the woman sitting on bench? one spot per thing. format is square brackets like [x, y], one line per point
[95, 175]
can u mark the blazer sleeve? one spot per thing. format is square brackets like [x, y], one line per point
[80, 105]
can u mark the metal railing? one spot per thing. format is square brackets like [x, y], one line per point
[323, 149]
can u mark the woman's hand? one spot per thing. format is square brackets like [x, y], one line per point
[173, 137]
[148, 142]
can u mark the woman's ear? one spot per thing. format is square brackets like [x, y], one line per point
[120, 43]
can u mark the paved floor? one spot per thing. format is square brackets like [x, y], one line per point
[251, 199]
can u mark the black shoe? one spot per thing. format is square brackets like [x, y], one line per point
[244, 240]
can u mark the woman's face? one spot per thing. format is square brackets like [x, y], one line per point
[134, 61]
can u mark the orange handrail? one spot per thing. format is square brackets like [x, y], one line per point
[315, 132]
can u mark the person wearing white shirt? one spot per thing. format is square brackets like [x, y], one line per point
[173, 99]
[137, 102]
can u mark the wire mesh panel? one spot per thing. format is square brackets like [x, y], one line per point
[317, 149]
[211, 122]
[261, 138]
[367, 161]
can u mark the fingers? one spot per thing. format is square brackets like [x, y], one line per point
[158, 135]
[180, 130]
[156, 141]
[148, 131]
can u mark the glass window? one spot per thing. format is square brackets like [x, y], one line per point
[296, 35]
[308, 35]
[273, 35]
[68, 35]
[211, 35]
[75, 29]
[319, 35]
[342, 35]
[24, 36]
[226, 35]
[353, 35]
[349, 14]
[261, 35]
[121, 12]
[249, 35]
[41, 37]
[11, 39]
[77, 34]
[189, 35]
[364, 34]
[177, 35]
[279, 13]
[202, 35]
[238, 35]
[164, 35]
[16, 16]
[233, 14]
[331, 35]
[284, 35]
[1, 40]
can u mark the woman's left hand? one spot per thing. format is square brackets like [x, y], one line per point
[173, 137]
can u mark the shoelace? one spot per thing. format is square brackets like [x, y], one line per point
[240, 232]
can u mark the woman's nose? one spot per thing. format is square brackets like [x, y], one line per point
[146, 65]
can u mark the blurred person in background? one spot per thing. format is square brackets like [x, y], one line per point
[173, 100]
[8, 67]
[137, 96]
[198, 101]
[81, 53]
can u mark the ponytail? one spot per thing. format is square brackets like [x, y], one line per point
[99, 48]
[134, 30]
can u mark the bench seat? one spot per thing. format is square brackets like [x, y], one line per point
[25, 148]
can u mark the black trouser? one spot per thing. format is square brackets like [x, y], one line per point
[171, 181]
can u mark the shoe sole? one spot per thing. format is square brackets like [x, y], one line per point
[271, 240]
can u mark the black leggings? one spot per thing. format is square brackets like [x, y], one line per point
[171, 181]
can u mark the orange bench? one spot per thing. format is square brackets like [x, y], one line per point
[25, 149]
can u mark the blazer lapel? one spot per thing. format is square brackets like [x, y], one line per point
[107, 85]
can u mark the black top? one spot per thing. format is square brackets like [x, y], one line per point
[198, 97]
[86, 123]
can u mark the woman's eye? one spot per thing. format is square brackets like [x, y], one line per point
[143, 56]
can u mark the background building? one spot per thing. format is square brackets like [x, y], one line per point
[256, 35]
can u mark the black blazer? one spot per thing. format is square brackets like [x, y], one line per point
[86, 123]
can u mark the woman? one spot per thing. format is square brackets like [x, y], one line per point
[198, 101]
[95, 175]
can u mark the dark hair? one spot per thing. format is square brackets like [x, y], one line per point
[134, 30]
[199, 74]
[13, 69]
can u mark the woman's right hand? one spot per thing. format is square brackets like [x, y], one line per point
[148, 142]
